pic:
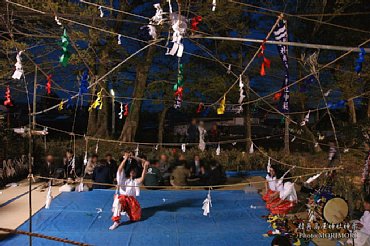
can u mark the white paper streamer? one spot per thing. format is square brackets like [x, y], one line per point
[183, 147]
[18, 67]
[251, 149]
[97, 147]
[80, 186]
[119, 39]
[57, 21]
[293, 139]
[269, 165]
[157, 19]
[179, 27]
[214, 4]
[311, 179]
[218, 150]
[306, 119]
[101, 11]
[321, 137]
[345, 150]
[120, 114]
[49, 197]
[241, 90]
[327, 93]
[156, 147]
[207, 204]
[152, 31]
[85, 159]
[137, 151]
[229, 69]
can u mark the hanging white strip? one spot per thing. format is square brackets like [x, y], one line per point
[101, 11]
[183, 148]
[18, 67]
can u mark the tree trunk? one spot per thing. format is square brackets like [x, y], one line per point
[286, 137]
[129, 128]
[162, 118]
[352, 111]
[247, 121]
[92, 122]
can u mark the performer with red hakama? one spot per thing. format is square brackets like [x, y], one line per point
[129, 189]
[271, 183]
[287, 199]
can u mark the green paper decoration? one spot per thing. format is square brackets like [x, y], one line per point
[180, 79]
[65, 43]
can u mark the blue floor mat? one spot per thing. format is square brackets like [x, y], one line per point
[169, 218]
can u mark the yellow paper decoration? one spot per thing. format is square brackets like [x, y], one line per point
[221, 109]
[60, 107]
[98, 102]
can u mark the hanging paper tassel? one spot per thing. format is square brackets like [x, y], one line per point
[229, 69]
[360, 60]
[157, 19]
[156, 147]
[84, 83]
[306, 119]
[268, 165]
[60, 107]
[200, 108]
[221, 109]
[80, 186]
[57, 21]
[313, 178]
[241, 90]
[65, 43]
[119, 39]
[48, 84]
[8, 101]
[346, 150]
[251, 149]
[327, 93]
[101, 11]
[293, 139]
[218, 150]
[183, 148]
[137, 151]
[97, 147]
[266, 62]
[98, 101]
[195, 22]
[49, 197]
[120, 114]
[214, 4]
[85, 159]
[18, 67]
[207, 204]
[126, 110]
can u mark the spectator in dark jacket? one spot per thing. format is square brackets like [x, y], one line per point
[153, 176]
[112, 164]
[216, 174]
[193, 132]
[102, 174]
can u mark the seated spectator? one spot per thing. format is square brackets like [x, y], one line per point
[195, 166]
[90, 166]
[216, 174]
[112, 164]
[153, 176]
[102, 174]
[180, 174]
[48, 167]
[71, 165]
[164, 165]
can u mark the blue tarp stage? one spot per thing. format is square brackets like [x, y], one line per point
[169, 218]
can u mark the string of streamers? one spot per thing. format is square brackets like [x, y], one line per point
[360, 60]
[179, 27]
[48, 84]
[64, 44]
[8, 101]
[98, 103]
[281, 34]
[195, 22]
[221, 109]
[178, 87]
[266, 63]
[18, 67]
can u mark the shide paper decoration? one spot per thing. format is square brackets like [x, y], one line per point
[18, 67]
[84, 83]
[214, 4]
[178, 87]
[179, 27]
[125, 113]
[242, 94]
[207, 204]
[120, 114]
[98, 101]
[306, 119]
[101, 11]
[195, 22]
[119, 39]
[60, 107]
[221, 109]
[57, 21]
[48, 84]
[8, 101]
[200, 108]
[64, 44]
[218, 150]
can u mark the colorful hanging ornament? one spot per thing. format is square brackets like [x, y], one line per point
[214, 4]
[48, 84]
[125, 113]
[207, 204]
[18, 67]
[306, 119]
[200, 108]
[60, 107]
[98, 101]
[266, 62]
[64, 44]
[120, 114]
[277, 96]
[221, 109]
[360, 60]
[8, 101]
[101, 11]
[195, 22]
[84, 83]
[178, 87]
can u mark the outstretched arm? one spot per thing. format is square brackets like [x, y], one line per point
[122, 165]
[141, 179]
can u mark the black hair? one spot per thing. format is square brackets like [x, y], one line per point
[275, 167]
[154, 161]
[108, 154]
[281, 241]
[94, 156]
[70, 151]
[367, 199]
